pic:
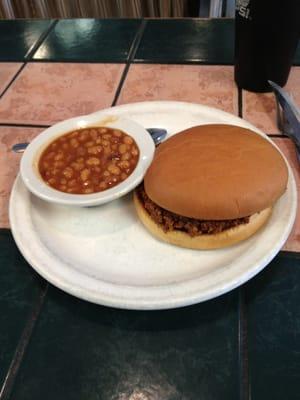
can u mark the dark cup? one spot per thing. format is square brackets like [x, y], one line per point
[266, 37]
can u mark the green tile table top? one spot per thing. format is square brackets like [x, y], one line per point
[85, 351]
[18, 37]
[187, 41]
[90, 40]
[19, 289]
[274, 330]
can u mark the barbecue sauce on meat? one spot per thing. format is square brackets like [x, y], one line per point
[194, 227]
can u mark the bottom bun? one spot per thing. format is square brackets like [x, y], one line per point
[203, 242]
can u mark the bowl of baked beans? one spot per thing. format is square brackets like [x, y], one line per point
[87, 161]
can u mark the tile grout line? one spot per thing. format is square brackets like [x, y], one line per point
[40, 40]
[133, 49]
[240, 102]
[22, 346]
[244, 385]
[20, 125]
[13, 79]
[33, 49]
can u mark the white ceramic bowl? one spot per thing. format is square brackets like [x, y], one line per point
[34, 182]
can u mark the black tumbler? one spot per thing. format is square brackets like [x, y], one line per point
[266, 37]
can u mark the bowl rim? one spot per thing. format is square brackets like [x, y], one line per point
[36, 185]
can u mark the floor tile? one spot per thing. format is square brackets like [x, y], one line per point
[209, 85]
[45, 93]
[288, 149]
[17, 37]
[7, 72]
[274, 330]
[208, 41]
[19, 289]
[260, 108]
[94, 352]
[9, 164]
[89, 40]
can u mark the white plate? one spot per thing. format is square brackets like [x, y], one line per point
[104, 254]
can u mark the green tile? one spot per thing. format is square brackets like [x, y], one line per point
[274, 330]
[84, 351]
[17, 37]
[19, 289]
[91, 40]
[187, 41]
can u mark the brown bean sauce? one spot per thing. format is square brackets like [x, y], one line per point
[88, 160]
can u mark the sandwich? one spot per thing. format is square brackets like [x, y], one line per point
[211, 186]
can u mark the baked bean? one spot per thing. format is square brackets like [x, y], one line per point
[83, 137]
[107, 151]
[95, 149]
[117, 133]
[134, 151]
[58, 164]
[81, 151]
[102, 186]
[125, 156]
[72, 182]
[77, 166]
[122, 148]
[88, 160]
[74, 143]
[50, 155]
[93, 161]
[114, 169]
[85, 174]
[59, 156]
[128, 140]
[68, 172]
[93, 134]
[124, 164]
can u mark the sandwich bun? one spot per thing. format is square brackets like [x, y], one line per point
[216, 172]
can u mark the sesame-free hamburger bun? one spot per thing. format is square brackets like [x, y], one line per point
[211, 186]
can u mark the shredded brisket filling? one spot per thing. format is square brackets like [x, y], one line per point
[170, 221]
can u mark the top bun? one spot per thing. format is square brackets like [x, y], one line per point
[216, 172]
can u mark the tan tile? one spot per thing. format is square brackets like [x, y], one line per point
[260, 108]
[9, 164]
[293, 84]
[7, 72]
[288, 149]
[45, 93]
[209, 85]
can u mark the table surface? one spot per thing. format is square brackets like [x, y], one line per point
[54, 346]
